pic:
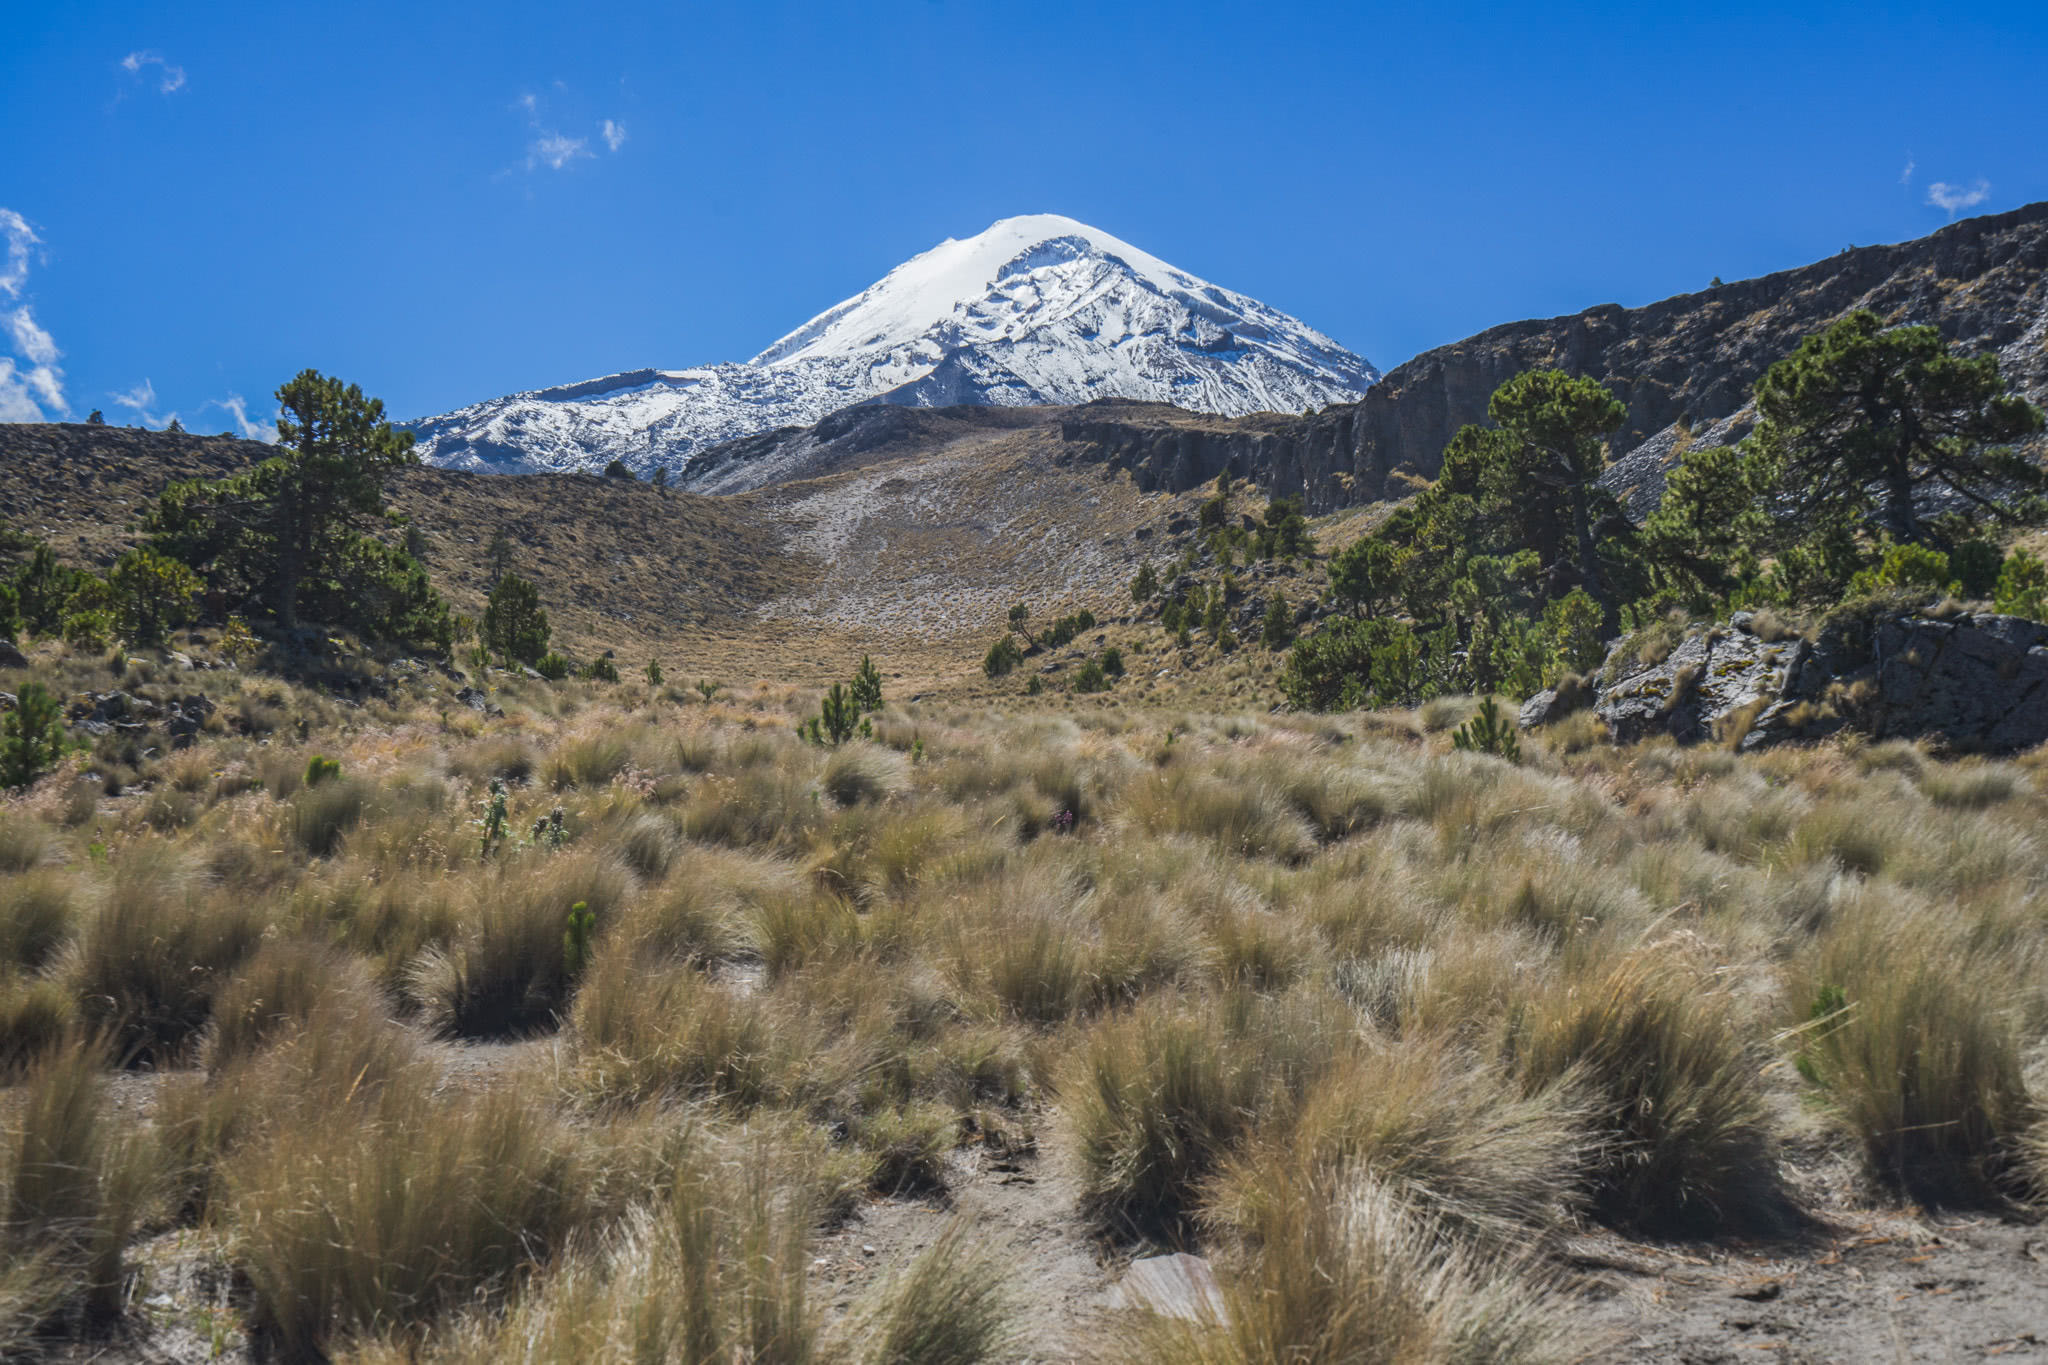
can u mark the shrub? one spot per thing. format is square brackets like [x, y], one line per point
[553, 666]
[1975, 565]
[1145, 586]
[2022, 588]
[31, 736]
[1684, 1140]
[319, 768]
[1348, 664]
[1002, 656]
[91, 629]
[1089, 678]
[602, 669]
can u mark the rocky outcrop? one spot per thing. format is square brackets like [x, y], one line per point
[1971, 682]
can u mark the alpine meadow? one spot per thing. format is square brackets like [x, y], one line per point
[1054, 813]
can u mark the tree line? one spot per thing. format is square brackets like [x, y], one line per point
[1515, 566]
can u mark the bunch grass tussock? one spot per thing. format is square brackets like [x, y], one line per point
[1370, 1023]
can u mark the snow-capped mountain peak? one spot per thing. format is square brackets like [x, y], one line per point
[932, 287]
[1036, 309]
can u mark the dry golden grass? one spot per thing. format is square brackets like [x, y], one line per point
[1299, 991]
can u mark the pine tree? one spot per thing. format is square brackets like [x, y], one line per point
[867, 686]
[515, 625]
[498, 555]
[1146, 585]
[1862, 417]
[152, 594]
[31, 736]
[1278, 630]
[292, 531]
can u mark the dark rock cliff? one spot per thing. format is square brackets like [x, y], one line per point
[1684, 368]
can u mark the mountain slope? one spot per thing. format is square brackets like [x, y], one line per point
[1034, 311]
[1683, 367]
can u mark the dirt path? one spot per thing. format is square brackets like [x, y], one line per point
[1023, 1210]
[1871, 1286]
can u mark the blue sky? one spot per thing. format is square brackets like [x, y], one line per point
[446, 203]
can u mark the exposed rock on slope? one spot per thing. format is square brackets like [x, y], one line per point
[1975, 683]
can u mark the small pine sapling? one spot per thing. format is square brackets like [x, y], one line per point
[494, 819]
[654, 671]
[867, 686]
[1278, 631]
[1146, 585]
[320, 767]
[708, 689]
[1489, 732]
[576, 938]
[837, 714]
[31, 736]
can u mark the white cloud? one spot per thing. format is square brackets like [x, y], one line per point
[168, 77]
[555, 151]
[37, 347]
[17, 404]
[252, 429]
[1906, 176]
[31, 384]
[141, 400]
[20, 237]
[1955, 198]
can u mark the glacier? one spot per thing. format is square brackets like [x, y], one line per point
[1039, 309]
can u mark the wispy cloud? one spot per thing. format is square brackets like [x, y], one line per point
[548, 146]
[31, 384]
[1956, 198]
[1906, 176]
[141, 400]
[256, 429]
[555, 151]
[168, 77]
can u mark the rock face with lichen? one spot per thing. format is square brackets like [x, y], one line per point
[1970, 682]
